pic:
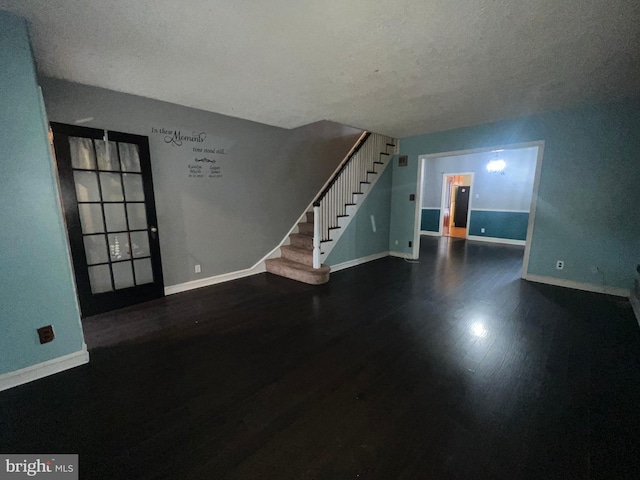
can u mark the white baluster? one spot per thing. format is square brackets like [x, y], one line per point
[316, 236]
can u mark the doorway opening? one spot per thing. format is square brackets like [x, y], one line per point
[456, 192]
[486, 194]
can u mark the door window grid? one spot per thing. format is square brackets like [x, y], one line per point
[136, 263]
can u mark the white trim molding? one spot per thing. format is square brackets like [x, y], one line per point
[505, 241]
[532, 210]
[587, 287]
[224, 277]
[455, 153]
[358, 261]
[430, 233]
[44, 369]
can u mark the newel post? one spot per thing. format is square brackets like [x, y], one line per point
[316, 235]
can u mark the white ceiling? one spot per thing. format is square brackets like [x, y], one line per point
[400, 68]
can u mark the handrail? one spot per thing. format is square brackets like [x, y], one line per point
[350, 155]
[349, 181]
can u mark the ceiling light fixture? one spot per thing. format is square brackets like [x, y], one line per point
[497, 165]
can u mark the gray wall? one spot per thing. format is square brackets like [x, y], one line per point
[511, 191]
[269, 174]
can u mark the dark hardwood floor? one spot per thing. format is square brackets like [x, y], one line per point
[452, 368]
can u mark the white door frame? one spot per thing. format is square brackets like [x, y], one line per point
[442, 196]
[534, 197]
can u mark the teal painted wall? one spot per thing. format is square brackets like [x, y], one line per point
[36, 285]
[588, 190]
[403, 183]
[359, 239]
[430, 219]
[510, 225]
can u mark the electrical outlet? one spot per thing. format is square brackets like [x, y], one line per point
[198, 269]
[396, 242]
[482, 230]
[410, 244]
[45, 334]
[560, 264]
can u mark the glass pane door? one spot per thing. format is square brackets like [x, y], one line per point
[108, 185]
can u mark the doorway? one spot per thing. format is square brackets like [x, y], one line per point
[109, 207]
[503, 193]
[456, 193]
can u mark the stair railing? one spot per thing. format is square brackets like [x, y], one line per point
[333, 201]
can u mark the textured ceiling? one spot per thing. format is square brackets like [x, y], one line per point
[399, 68]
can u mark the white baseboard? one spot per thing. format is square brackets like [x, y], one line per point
[224, 277]
[505, 241]
[635, 303]
[588, 287]
[430, 233]
[358, 261]
[402, 255]
[44, 369]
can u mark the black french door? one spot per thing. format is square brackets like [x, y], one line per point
[107, 194]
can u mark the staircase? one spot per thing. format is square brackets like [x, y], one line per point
[296, 261]
[332, 211]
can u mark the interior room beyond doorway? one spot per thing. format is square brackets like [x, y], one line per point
[455, 204]
[483, 195]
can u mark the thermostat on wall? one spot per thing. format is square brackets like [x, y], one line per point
[403, 160]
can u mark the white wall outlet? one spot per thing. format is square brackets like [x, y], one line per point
[560, 264]
[396, 242]
[198, 269]
[482, 230]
